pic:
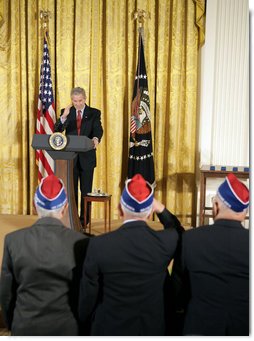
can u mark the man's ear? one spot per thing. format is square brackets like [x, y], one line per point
[64, 209]
[34, 208]
[216, 208]
[120, 210]
[150, 215]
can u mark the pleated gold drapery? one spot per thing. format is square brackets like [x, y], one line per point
[93, 44]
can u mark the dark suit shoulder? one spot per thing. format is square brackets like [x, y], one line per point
[197, 231]
[74, 234]
[88, 107]
[169, 236]
[92, 110]
[136, 229]
[46, 225]
[217, 231]
[17, 233]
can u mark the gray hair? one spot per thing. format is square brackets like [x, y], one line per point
[48, 213]
[78, 91]
[140, 215]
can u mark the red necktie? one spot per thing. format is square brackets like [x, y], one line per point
[79, 121]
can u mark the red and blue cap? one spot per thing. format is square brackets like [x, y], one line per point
[137, 195]
[234, 193]
[50, 194]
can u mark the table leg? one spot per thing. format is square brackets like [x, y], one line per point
[105, 216]
[202, 199]
[85, 209]
[90, 216]
[109, 214]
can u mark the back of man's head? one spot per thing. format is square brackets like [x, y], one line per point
[137, 198]
[50, 197]
[234, 197]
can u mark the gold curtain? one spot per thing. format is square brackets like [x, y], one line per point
[93, 44]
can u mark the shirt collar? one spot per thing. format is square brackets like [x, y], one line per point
[82, 111]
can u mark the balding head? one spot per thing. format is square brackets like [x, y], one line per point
[231, 200]
[222, 211]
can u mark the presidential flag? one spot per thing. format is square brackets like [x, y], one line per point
[140, 143]
[46, 116]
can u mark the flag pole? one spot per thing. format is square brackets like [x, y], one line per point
[44, 16]
[46, 117]
[140, 16]
[44, 19]
[140, 159]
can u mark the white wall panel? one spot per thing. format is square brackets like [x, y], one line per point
[224, 125]
[224, 89]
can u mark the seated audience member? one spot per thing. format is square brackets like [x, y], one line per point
[121, 290]
[215, 260]
[39, 279]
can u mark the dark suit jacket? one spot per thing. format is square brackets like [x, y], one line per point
[90, 127]
[216, 258]
[123, 279]
[40, 278]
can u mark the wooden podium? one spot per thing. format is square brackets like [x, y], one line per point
[64, 168]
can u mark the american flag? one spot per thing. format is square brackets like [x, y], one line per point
[133, 125]
[46, 116]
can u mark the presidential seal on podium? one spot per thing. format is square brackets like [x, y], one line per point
[58, 141]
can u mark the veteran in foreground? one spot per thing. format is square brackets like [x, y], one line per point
[40, 269]
[122, 288]
[215, 263]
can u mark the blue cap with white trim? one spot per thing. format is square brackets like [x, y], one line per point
[50, 194]
[234, 193]
[137, 195]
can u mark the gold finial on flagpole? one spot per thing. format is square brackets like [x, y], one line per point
[44, 16]
[140, 15]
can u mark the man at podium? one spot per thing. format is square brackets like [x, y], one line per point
[80, 119]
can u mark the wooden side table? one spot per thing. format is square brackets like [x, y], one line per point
[107, 208]
[216, 172]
